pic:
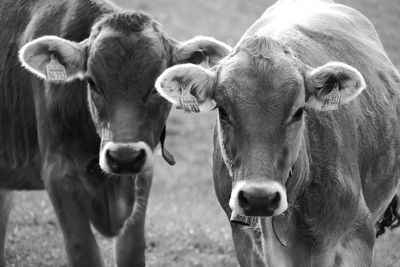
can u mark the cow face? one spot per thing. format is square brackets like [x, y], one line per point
[261, 92]
[120, 62]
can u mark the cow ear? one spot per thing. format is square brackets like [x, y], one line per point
[333, 84]
[36, 56]
[201, 50]
[188, 86]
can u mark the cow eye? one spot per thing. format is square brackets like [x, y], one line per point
[222, 113]
[91, 83]
[298, 114]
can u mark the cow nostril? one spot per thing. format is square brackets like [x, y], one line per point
[242, 199]
[276, 199]
[110, 156]
[141, 155]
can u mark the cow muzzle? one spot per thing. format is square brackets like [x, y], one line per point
[125, 158]
[258, 199]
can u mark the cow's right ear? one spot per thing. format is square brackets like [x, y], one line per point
[188, 86]
[36, 55]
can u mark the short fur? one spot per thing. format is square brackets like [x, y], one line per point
[345, 163]
[51, 133]
[346, 173]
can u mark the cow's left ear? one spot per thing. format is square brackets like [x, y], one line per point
[332, 84]
[54, 59]
[189, 87]
[201, 50]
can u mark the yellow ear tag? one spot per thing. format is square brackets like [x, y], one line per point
[55, 72]
[331, 101]
[189, 102]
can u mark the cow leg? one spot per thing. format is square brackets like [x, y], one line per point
[5, 208]
[131, 244]
[65, 191]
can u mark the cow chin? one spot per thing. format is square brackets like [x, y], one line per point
[125, 158]
[258, 199]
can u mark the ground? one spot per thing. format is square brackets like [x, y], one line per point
[185, 225]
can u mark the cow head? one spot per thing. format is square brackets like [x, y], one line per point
[120, 61]
[261, 91]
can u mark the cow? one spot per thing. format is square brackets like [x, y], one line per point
[307, 141]
[80, 117]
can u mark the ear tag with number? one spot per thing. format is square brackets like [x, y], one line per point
[189, 102]
[55, 72]
[331, 101]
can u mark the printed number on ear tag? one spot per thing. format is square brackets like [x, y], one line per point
[331, 101]
[189, 103]
[55, 71]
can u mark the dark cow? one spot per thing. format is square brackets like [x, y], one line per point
[307, 143]
[94, 69]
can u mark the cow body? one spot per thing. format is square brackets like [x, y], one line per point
[349, 176]
[339, 168]
[87, 140]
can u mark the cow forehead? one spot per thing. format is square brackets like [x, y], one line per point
[244, 77]
[128, 59]
[100, 35]
[112, 41]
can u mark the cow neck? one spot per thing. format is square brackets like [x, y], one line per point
[326, 200]
[281, 242]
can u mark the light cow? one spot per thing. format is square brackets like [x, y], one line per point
[81, 118]
[307, 142]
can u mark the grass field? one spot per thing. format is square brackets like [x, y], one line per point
[185, 225]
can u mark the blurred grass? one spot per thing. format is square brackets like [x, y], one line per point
[185, 224]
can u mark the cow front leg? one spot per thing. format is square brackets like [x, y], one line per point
[5, 208]
[65, 191]
[131, 244]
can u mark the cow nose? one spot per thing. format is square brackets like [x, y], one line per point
[259, 203]
[125, 160]
[264, 199]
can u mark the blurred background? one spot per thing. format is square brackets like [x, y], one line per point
[185, 224]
